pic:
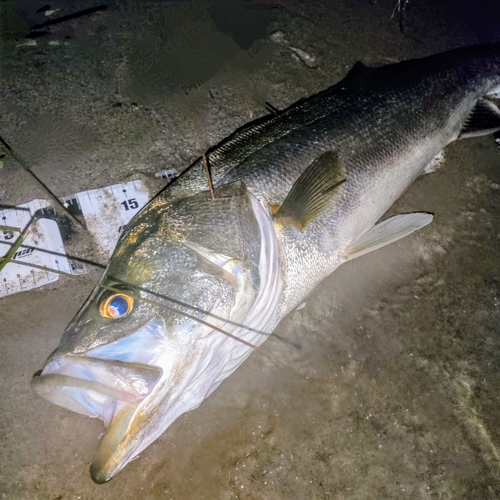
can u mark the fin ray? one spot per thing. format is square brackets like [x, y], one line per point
[483, 119]
[386, 232]
[312, 191]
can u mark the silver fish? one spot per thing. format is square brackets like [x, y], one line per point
[195, 284]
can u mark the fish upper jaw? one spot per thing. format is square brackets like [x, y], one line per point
[118, 373]
[86, 384]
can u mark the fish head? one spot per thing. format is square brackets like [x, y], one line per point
[158, 334]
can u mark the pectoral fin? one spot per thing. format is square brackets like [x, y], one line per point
[312, 192]
[386, 232]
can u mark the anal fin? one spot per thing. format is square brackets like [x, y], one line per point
[435, 164]
[386, 232]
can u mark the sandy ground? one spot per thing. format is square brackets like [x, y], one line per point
[391, 386]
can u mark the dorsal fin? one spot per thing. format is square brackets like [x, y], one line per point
[359, 70]
[312, 192]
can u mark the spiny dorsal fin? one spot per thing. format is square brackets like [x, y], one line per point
[483, 119]
[312, 192]
[387, 231]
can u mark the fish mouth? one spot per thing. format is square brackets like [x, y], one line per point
[138, 386]
[111, 390]
[111, 382]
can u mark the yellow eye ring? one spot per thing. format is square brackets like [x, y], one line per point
[117, 305]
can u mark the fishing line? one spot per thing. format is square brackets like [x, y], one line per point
[8, 150]
[154, 303]
[122, 282]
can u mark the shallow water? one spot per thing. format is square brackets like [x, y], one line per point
[389, 385]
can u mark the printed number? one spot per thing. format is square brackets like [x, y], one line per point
[130, 204]
[8, 235]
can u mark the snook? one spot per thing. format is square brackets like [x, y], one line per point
[300, 192]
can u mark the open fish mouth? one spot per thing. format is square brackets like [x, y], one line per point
[111, 390]
[111, 382]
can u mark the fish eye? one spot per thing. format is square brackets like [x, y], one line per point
[117, 305]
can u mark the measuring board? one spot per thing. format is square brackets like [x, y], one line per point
[43, 246]
[106, 212]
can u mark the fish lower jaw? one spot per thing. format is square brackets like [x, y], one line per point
[112, 455]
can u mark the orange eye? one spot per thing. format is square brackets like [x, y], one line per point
[116, 306]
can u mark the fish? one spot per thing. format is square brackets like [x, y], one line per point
[200, 278]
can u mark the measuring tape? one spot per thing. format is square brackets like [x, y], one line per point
[106, 212]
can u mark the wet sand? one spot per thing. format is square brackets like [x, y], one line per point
[391, 376]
